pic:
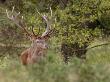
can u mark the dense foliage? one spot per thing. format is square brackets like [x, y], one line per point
[76, 22]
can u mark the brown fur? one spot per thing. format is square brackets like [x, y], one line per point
[35, 53]
[24, 56]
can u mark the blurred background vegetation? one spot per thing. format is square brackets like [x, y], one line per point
[80, 25]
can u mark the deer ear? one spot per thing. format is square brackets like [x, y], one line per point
[45, 37]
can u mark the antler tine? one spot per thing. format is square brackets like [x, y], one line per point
[10, 17]
[43, 16]
[48, 26]
[51, 11]
[13, 9]
[7, 14]
[48, 22]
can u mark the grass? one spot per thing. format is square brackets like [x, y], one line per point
[99, 54]
[96, 68]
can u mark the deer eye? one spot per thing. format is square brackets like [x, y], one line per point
[38, 41]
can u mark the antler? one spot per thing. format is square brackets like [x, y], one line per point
[48, 21]
[20, 23]
[15, 18]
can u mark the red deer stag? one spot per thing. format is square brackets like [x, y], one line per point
[39, 46]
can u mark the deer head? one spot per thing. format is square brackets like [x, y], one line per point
[39, 45]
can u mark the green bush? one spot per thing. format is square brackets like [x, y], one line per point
[53, 69]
